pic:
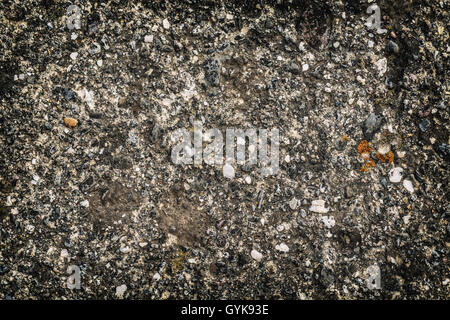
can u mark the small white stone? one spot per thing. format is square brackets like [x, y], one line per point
[100, 63]
[120, 290]
[305, 67]
[301, 46]
[156, 276]
[29, 228]
[293, 203]
[256, 255]
[282, 247]
[329, 222]
[84, 203]
[408, 185]
[381, 66]
[384, 149]
[64, 253]
[370, 44]
[401, 154]
[248, 180]
[73, 55]
[228, 171]
[166, 24]
[406, 219]
[318, 206]
[395, 175]
[361, 80]
[148, 38]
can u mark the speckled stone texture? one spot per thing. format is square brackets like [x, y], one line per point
[364, 150]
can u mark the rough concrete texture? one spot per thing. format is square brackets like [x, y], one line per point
[86, 177]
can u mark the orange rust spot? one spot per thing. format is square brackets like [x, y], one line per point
[367, 166]
[364, 147]
[389, 157]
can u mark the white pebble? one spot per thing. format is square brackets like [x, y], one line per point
[100, 63]
[381, 66]
[248, 180]
[329, 222]
[384, 149]
[148, 38]
[293, 204]
[73, 55]
[256, 255]
[64, 253]
[318, 206]
[84, 203]
[228, 171]
[120, 290]
[408, 185]
[395, 175]
[166, 24]
[282, 247]
[401, 154]
[305, 67]
[156, 276]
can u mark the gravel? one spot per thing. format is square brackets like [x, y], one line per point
[103, 188]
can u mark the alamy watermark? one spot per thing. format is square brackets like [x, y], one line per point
[185, 152]
[374, 21]
[74, 280]
[74, 17]
[373, 280]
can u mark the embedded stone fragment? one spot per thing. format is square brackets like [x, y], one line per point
[318, 206]
[70, 122]
[256, 255]
[395, 175]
